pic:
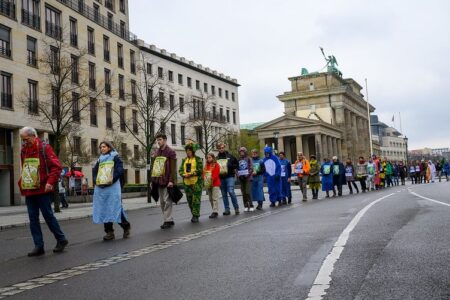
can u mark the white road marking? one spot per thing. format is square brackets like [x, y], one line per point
[106, 262]
[425, 198]
[323, 278]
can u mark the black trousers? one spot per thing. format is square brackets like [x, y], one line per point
[123, 223]
[363, 180]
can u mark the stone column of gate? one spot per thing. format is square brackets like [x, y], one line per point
[335, 148]
[339, 149]
[262, 144]
[318, 140]
[330, 146]
[355, 138]
[298, 144]
[280, 144]
[324, 146]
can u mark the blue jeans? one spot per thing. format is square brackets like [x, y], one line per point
[227, 187]
[42, 203]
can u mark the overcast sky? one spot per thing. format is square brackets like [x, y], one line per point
[401, 47]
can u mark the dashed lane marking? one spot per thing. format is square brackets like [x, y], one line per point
[93, 266]
[323, 278]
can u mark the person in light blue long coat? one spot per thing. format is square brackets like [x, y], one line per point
[286, 172]
[326, 170]
[272, 174]
[107, 200]
[258, 179]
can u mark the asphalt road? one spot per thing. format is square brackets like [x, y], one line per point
[398, 248]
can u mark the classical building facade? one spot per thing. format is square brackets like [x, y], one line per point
[96, 40]
[393, 145]
[325, 115]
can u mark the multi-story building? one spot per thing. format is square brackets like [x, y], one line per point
[92, 37]
[195, 93]
[393, 146]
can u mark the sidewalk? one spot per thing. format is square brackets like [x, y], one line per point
[17, 216]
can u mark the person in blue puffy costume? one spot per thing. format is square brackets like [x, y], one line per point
[272, 174]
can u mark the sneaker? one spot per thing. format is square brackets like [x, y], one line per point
[109, 236]
[60, 245]
[236, 211]
[226, 213]
[251, 209]
[37, 251]
[194, 219]
[259, 207]
[167, 225]
[246, 209]
[126, 233]
[213, 215]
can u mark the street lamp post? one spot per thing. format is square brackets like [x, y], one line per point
[406, 148]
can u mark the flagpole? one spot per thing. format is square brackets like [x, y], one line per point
[400, 118]
[368, 118]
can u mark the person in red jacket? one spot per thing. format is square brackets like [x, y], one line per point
[211, 176]
[40, 172]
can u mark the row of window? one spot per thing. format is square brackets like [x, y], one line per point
[209, 89]
[395, 144]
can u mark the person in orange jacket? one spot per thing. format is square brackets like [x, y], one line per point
[302, 168]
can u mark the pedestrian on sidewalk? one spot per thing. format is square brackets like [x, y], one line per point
[350, 176]
[314, 176]
[164, 175]
[272, 173]
[338, 175]
[327, 177]
[302, 168]
[361, 173]
[431, 172]
[191, 170]
[245, 175]
[39, 175]
[286, 172]
[107, 199]
[228, 166]
[371, 171]
[211, 181]
[377, 175]
[258, 179]
[62, 193]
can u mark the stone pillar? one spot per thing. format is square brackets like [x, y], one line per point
[306, 149]
[339, 149]
[335, 148]
[324, 146]
[280, 144]
[16, 147]
[299, 144]
[330, 146]
[318, 140]
[262, 144]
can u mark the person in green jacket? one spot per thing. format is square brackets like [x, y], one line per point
[389, 173]
[314, 176]
[191, 170]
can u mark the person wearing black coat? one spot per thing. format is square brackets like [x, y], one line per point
[338, 176]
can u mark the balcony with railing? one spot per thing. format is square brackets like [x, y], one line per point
[31, 59]
[31, 19]
[8, 8]
[5, 51]
[53, 30]
[101, 20]
[208, 117]
[92, 84]
[33, 107]
[6, 100]
[74, 39]
[6, 155]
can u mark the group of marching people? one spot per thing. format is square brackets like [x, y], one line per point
[426, 172]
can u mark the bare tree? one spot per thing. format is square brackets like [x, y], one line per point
[64, 94]
[76, 149]
[150, 110]
[208, 121]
